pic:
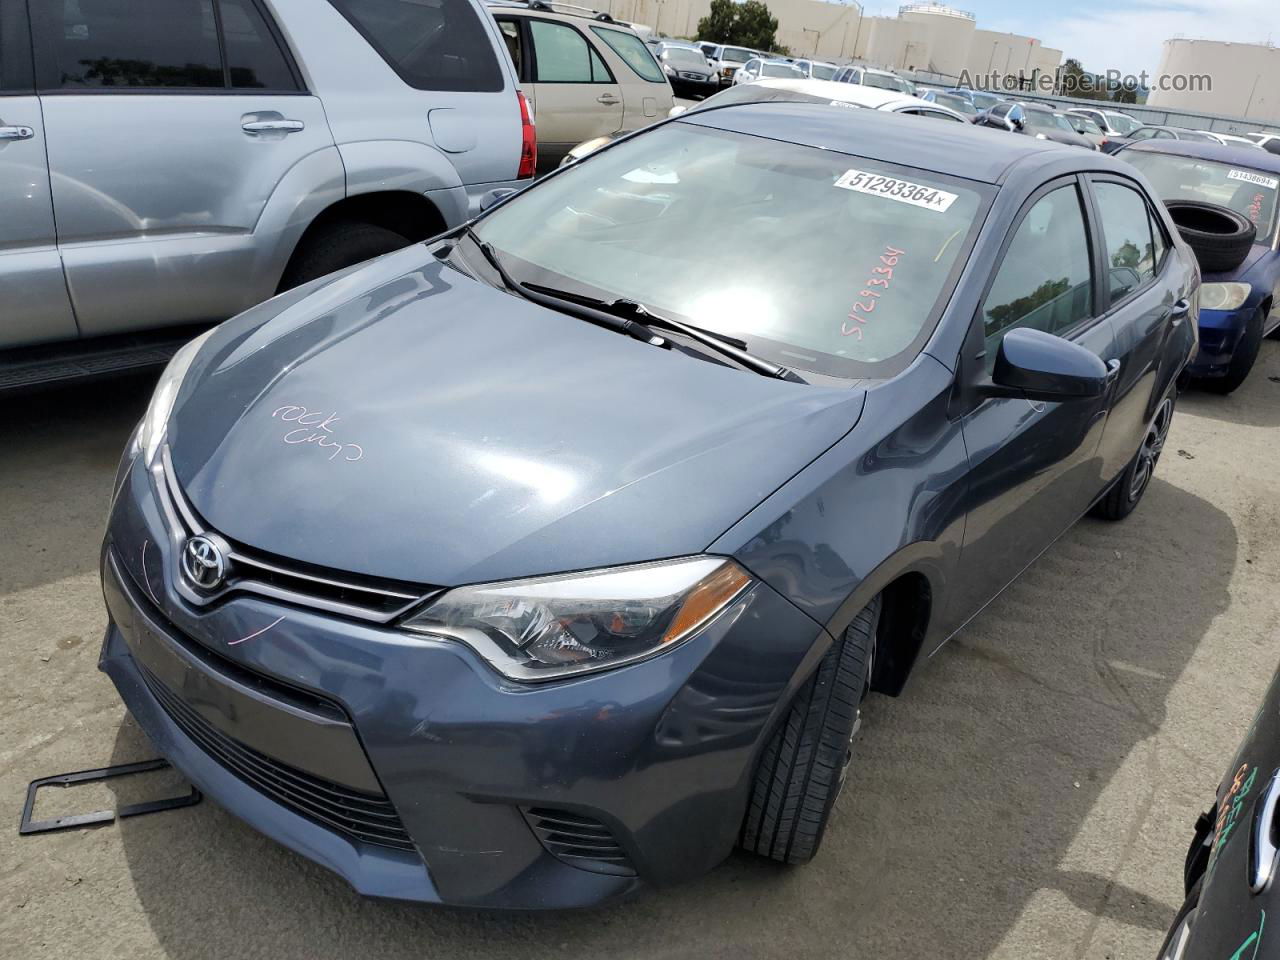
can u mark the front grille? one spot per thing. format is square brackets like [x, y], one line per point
[291, 581]
[360, 816]
[579, 841]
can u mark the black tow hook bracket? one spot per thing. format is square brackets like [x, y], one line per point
[27, 825]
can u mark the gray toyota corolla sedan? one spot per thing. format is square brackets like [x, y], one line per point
[546, 561]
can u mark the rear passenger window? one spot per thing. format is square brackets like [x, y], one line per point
[632, 49]
[561, 52]
[129, 43]
[431, 44]
[1045, 281]
[1126, 232]
[254, 58]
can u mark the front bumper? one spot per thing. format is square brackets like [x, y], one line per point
[1220, 333]
[659, 753]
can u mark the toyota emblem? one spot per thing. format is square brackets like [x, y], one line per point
[204, 563]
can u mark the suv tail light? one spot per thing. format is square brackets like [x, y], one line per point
[528, 140]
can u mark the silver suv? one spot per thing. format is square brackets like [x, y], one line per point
[171, 162]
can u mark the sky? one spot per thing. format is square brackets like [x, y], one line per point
[1126, 35]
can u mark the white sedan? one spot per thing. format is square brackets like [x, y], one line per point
[831, 92]
[758, 68]
[835, 94]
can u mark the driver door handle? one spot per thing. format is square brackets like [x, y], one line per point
[1113, 371]
[607, 98]
[16, 132]
[273, 126]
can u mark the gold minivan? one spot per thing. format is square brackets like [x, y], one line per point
[585, 74]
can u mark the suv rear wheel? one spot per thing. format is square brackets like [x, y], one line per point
[804, 766]
[338, 245]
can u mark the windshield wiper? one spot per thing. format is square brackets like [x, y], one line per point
[563, 304]
[727, 346]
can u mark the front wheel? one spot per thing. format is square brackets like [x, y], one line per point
[1128, 490]
[1243, 359]
[805, 764]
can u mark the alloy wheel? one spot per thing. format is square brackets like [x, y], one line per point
[1149, 452]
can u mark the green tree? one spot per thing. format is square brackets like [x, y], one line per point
[747, 24]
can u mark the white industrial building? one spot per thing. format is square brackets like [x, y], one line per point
[1243, 79]
[923, 37]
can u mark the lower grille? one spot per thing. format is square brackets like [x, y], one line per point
[369, 819]
[579, 841]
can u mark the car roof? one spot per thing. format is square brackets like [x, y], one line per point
[958, 149]
[1239, 156]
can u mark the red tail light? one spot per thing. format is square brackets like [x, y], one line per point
[528, 140]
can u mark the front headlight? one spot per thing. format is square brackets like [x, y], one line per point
[549, 627]
[1223, 296]
[152, 428]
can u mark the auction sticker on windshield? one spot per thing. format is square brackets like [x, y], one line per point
[904, 191]
[1249, 177]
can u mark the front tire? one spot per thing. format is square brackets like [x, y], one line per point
[804, 766]
[1243, 359]
[1125, 493]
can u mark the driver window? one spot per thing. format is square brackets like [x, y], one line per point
[1045, 281]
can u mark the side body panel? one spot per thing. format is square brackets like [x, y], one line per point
[33, 291]
[165, 193]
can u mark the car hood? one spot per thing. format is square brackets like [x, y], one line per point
[409, 422]
[1241, 273]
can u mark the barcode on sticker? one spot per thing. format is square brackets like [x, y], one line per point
[904, 191]
[1256, 178]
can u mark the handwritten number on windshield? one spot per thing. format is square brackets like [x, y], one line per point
[876, 285]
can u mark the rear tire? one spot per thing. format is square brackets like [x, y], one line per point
[1242, 360]
[804, 766]
[1125, 493]
[336, 246]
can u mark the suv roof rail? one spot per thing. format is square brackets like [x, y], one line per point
[557, 6]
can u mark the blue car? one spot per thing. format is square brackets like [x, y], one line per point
[550, 560]
[1237, 307]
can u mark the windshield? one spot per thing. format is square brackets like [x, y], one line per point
[1121, 124]
[683, 56]
[959, 104]
[822, 71]
[1249, 192]
[985, 101]
[779, 70]
[1044, 120]
[885, 81]
[823, 262]
[736, 55]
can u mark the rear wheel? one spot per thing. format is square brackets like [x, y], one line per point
[338, 245]
[1243, 359]
[1128, 490]
[806, 763]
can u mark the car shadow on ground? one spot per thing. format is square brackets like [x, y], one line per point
[971, 796]
[1256, 403]
[56, 445]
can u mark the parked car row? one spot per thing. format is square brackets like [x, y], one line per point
[343, 129]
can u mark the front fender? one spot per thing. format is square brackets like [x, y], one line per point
[886, 500]
[378, 166]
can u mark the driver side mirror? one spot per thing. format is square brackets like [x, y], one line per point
[1039, 366]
